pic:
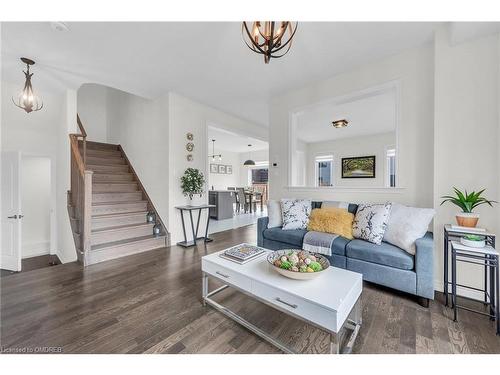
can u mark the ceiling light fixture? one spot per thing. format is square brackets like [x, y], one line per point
[213, 156]
[269, 38]
[340, 123]
[249, 162]
[59, 26]
[27, 99]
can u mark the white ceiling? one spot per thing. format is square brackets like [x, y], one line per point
[370, 115]
[206, 61]
[228, 141]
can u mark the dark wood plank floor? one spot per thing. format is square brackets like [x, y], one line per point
[150, 303]
[34, 263]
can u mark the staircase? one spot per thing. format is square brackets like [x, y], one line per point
[111, 220]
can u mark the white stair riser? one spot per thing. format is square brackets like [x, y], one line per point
[116, 197]
[118, 208]
[97, 256]
[116, 177]
[104, 161]
[120, 234]
[108, 168]
[115, 187]
[107, 222]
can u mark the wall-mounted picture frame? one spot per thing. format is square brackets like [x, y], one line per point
[214, 168]
[229, 169]
[222, 169]
[358, 167]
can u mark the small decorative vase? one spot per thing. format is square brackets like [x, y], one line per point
[467, 219]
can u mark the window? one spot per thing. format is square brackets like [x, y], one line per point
[391, 167]
[323, 165]
[260, 176]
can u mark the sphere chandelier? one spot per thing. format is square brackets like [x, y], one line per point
[272, 39]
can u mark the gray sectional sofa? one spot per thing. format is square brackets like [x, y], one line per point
[383, 264]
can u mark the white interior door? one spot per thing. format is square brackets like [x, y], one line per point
[11, 212]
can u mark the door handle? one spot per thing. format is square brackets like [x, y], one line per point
[15, 217]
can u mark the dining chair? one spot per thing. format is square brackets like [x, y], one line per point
[242, 198]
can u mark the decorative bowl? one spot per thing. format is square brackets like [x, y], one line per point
[473, 240]
[278, 254]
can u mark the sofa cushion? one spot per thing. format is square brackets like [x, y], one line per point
[295, 213]
[292, 237]
[296, 237]
[338, 245]
[331, 220]
[385, 254]
[371, 221]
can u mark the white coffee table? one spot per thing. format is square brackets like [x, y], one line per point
[330, 302]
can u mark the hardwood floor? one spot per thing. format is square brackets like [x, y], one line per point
[150, 303]
[34, 263]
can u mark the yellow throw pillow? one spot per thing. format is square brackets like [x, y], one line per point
[332, 220]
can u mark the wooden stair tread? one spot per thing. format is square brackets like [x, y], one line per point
[119, 227]
[111, 172]
[125, 242]
[120, 214]
[118, 202]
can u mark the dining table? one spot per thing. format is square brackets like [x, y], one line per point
[250, 195]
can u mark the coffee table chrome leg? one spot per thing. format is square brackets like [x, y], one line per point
[204, 287]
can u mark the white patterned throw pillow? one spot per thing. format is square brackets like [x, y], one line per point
[295, 213]
[370, 222]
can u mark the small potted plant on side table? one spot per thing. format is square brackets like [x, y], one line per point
[192, 183]
[467, 202]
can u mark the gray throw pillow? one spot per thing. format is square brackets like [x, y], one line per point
[370, 222]
[274, 214]
[295, 213]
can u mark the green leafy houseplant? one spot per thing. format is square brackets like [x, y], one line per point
[192, 182]
[467, 203]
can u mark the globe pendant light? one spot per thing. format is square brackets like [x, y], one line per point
[27, 99]
[249, 162]
[269, 38]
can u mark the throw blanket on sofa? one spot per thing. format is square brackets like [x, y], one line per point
[319, 242]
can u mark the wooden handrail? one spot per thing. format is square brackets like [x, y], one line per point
[76, 154]
[83, 135]
[80, 126]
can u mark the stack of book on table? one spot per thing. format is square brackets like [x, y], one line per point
[242, 253]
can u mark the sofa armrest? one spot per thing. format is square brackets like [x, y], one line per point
[261, 227]
[424, 265]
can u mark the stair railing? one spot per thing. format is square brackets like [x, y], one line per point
[81, 192]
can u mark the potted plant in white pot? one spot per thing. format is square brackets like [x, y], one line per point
[467, 202]
[192, 183]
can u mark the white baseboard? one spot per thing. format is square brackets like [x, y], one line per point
[34, 249]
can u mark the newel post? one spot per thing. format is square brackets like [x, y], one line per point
[87, 214]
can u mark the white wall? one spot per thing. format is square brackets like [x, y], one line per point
[92, 108]
[221, 181]
[45, 134]
[360, 146]
[186, 115]
[36, 205]
[414, 69]
[466, 133]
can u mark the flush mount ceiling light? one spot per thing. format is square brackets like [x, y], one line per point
[59, 26]
[249, 162]
[272, 39]
[213, 156]
[27, 99]
[340, 123]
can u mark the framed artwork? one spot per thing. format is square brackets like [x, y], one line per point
[222, 169]
[358, 167]
[229, 169]
[214, 168]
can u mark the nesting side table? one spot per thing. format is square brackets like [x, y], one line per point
[487, 257]
[450, 234]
